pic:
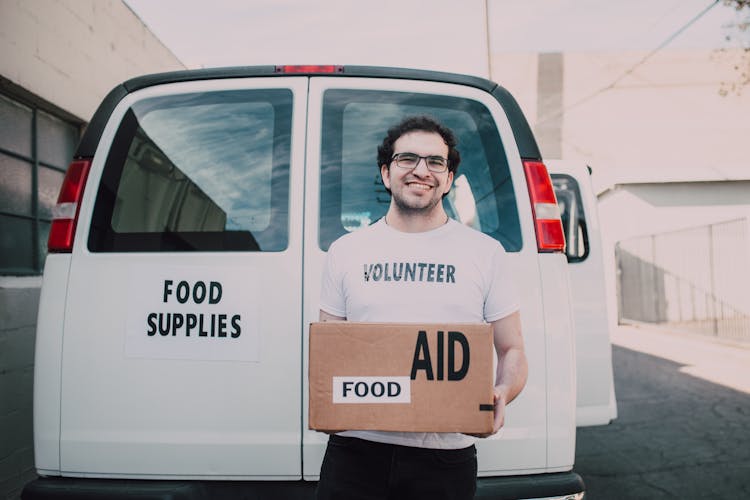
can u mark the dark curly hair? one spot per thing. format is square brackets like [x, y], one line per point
[420, 123]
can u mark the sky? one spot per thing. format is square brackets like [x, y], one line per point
[435, 34]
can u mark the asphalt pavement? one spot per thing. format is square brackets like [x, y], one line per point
[683, 429]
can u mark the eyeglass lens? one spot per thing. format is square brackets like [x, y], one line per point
[411, 160]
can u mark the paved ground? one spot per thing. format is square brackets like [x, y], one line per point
[683, 430]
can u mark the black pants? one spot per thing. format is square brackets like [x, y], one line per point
[358, 469]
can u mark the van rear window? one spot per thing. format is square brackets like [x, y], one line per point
[352, 194]
[198, 172]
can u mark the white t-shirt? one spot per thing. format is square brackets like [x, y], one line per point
[451, 274]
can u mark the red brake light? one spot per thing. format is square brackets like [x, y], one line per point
[65, 213]
[310, 68]
[549, 231]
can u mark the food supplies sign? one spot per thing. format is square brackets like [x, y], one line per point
[192, 313]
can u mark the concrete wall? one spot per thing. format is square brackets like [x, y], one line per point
[18, 311]
[64, 56]
[668, 114]
[634, 118]
[630, 211]
[694, 279]
[72, 52]
[550, 92]
[675, 111]
[642, 209]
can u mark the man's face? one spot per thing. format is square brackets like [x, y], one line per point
[419, 189]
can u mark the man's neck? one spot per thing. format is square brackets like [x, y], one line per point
[417, 222]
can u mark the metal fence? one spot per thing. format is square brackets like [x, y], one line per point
[695, 280]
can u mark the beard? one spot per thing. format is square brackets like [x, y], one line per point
[410, 208]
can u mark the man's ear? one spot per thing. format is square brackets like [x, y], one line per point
[448, 184]
[385, 175]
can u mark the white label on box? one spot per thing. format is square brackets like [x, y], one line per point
[371, 390]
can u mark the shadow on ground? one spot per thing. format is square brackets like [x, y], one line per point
[676, 437]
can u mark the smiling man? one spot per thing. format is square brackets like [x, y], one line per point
[421, 180]
[418, 265]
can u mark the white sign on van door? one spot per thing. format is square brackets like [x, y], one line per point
[192, 313]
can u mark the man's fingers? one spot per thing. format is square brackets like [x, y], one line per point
[499, 415]
[498, 420]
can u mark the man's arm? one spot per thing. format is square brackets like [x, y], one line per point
[512, 367]
[324, 316]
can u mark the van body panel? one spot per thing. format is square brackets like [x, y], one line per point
[47, 362]
[595, 395]
[188, 409]
[560, 362]
[521, 445]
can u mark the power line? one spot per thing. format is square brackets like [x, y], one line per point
[630, 70]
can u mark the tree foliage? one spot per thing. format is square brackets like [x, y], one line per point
[738, 4]
[742, 63]
[742, 6]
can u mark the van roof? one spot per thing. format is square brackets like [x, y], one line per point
[527, 145]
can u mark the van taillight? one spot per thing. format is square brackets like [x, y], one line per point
[547, 223]
[65, 213]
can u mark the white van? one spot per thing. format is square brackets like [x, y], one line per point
[184, 270]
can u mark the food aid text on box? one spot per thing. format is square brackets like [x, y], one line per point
[371, 390]
[401, 377]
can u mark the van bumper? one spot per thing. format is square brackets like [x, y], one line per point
[558, 486]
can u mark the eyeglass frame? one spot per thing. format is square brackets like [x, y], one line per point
[420, 158]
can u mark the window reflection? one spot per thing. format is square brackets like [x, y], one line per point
[573, 218]
[198, 172]
[352, 192]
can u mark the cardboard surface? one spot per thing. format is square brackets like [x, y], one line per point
[401, 377]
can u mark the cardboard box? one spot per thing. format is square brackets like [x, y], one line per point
[401, 377]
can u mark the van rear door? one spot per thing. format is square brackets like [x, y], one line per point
[182, 338]
[348, 119]
[595, 399]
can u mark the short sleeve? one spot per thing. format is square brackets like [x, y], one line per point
[332, 298]
[502, 295]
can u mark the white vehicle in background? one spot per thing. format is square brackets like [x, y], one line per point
[184, 271]
[595, 402]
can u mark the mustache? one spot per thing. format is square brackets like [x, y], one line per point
[432, 183]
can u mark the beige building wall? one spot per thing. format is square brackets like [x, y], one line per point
[62, 57]
[668, 114]
[518, 72]
[674, 112]
[72, 52]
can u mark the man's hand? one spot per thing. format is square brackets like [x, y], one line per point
[499, 403]
[512, 367]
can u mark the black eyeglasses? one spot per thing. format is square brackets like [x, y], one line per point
[436, 164]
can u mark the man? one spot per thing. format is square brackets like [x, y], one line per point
[418, 160]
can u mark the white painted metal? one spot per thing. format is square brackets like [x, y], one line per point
[47, 362]
[149, 416]
[522, 445]
[595, 393]
[561, 369]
